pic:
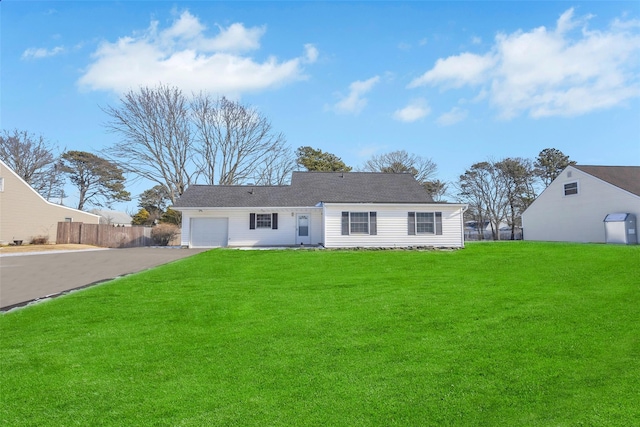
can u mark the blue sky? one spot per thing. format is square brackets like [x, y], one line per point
[457, 82]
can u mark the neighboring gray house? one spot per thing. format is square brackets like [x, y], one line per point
[116, 218]
[573, 207]
[332, 209]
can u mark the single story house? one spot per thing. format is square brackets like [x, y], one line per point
[115, 218]
[330, 209]
[25, 214]
[573, 207]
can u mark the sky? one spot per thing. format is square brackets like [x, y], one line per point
[456, 82]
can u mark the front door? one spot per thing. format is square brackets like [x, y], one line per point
[303, 229]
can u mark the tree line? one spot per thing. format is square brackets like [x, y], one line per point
[499, 191]
[173, 140]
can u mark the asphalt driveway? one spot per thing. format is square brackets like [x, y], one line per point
[28, 277]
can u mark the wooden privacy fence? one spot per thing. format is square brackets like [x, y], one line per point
[103, 235]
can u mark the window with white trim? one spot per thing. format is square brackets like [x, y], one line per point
[262, 220]
[571, 188]
[1, 184]
[424, 223]
[359, 223]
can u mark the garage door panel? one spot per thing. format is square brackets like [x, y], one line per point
[209, 232]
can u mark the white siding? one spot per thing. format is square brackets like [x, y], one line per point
[392, 226]
[576, 218]
[239, 233]
[25, 214]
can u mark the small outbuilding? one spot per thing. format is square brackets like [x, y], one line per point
[620, 228]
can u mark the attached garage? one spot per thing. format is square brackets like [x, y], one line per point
[209, 232]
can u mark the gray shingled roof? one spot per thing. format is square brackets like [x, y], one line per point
[625, 177]
[309, 189]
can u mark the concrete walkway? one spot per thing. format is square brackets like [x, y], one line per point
[31, 276]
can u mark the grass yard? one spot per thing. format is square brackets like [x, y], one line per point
[497, 334]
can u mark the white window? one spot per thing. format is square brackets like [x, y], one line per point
[261, 220]
[424, 223]
[571, 188]
[359, 223]
[1, 185]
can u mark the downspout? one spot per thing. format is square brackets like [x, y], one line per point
[324, 227]
[464, 209]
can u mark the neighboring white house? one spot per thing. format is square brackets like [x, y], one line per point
[330, 209]
[574, 206]
[25, 214]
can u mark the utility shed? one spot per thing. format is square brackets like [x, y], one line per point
[620, 228]
[572, 207]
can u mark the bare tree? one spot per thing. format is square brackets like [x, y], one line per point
[276, 168]
[33, 159]
[481, 187]
[517, 177]
[437, 189]
[234, 141]
[156, 141]
[400, 161]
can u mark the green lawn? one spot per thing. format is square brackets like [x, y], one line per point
[497, 334]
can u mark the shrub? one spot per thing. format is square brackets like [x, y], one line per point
[39, 240]
[162, 234]
[171, 217]
[141, 218]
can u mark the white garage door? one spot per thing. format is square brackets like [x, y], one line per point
[209, 232]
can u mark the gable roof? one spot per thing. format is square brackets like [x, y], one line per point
[625, 177]
[309, 189]
[113, 217]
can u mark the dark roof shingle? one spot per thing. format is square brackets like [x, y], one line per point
[309, 189]
[625, 177]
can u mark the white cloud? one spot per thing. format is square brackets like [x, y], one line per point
[39, 53]
[183, 55]
[452, 117]
[311, 53]
[457, 71]
[566, 71]
[354, 102]
[416, 110]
